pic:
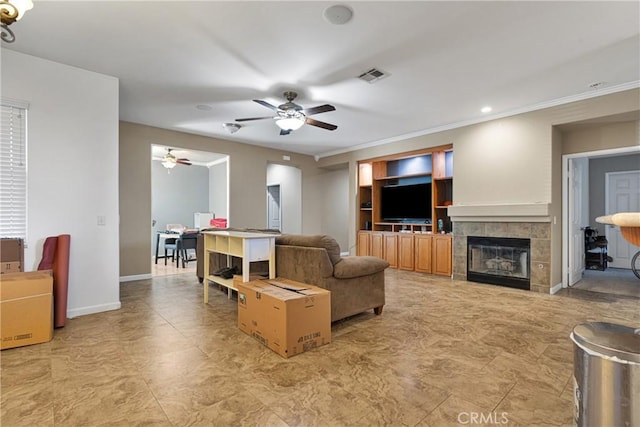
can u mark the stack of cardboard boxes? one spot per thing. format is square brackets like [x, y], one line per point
[26, 299]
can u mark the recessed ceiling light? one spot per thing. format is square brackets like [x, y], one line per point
[204, 107]
[486, 109]
[338, 14]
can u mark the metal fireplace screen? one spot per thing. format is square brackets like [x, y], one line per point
[499, 260]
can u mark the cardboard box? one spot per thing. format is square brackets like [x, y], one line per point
[10, 267]
[11, 255]
[26, 308]
[288, 317]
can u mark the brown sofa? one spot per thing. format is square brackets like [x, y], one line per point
[356, 282]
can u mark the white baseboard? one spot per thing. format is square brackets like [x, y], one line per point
[555, 288]
[135, 277]
[93, 309]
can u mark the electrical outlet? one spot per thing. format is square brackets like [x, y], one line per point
[102, 220]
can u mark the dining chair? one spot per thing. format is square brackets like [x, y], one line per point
[170, 245]
[187, 241]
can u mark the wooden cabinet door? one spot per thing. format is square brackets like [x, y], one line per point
[391, 249]
[377, 245]
[405, 251]
[364, 243]
[423, 244]
[441, 255]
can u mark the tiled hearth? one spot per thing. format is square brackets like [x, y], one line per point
[538, 232]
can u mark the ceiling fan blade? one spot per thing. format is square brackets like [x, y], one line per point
[319, 109]
[184, 162]
[266, 104]
[318, 123]
[254, 118]
[284, 132]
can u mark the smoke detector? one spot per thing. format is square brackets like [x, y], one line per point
[338, 14]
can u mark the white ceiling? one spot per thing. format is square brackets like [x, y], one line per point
[446, 60]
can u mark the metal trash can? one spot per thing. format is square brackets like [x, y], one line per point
[606, 375]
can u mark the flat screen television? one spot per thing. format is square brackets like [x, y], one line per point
[406, 203]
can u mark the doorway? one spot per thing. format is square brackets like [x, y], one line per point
[587, 194]
[274, 211]
[284, 198]
[180, 195]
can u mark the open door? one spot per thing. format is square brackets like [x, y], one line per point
[578, 198]
[274, 210]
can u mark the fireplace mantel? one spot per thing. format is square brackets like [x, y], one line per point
[524, 212]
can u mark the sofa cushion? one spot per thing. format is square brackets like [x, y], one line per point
[315, 241]
[357, 266]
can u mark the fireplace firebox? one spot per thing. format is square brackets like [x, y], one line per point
[499, 261]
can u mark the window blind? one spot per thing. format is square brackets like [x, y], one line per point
[13, 171]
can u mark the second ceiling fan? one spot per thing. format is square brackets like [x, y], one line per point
[169, 161]
[291, 116]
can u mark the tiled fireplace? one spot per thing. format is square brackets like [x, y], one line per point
[538, 261]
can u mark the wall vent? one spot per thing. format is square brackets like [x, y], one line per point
[373, 75]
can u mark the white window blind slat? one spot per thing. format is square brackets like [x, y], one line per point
[13, 171]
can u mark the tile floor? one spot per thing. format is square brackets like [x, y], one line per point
[618, 281]
[441, 351]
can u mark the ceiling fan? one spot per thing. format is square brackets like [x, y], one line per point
[291, 116]
[170, 161]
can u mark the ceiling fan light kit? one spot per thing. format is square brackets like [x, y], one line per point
[231, 127]
[291, 122]
[169, 164]
[11, 12]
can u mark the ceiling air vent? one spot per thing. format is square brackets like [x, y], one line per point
[373, 75]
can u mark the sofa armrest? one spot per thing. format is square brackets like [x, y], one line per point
[358, 266]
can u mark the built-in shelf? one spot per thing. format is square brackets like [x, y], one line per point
[397, 241]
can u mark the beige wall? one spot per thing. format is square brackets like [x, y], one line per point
[247, 178]
[555, 210]
[504, 161]
[600, 136]
[511, 160]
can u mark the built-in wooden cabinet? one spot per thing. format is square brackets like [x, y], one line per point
[364, 244]
[390, 249]
[422, 245]
[441, 255]
[424, 253]
[406, 251]
[377, 245]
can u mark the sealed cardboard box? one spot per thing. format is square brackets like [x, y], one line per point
[11, 255]
[26, 314]
[288, 317]
[10, 267]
